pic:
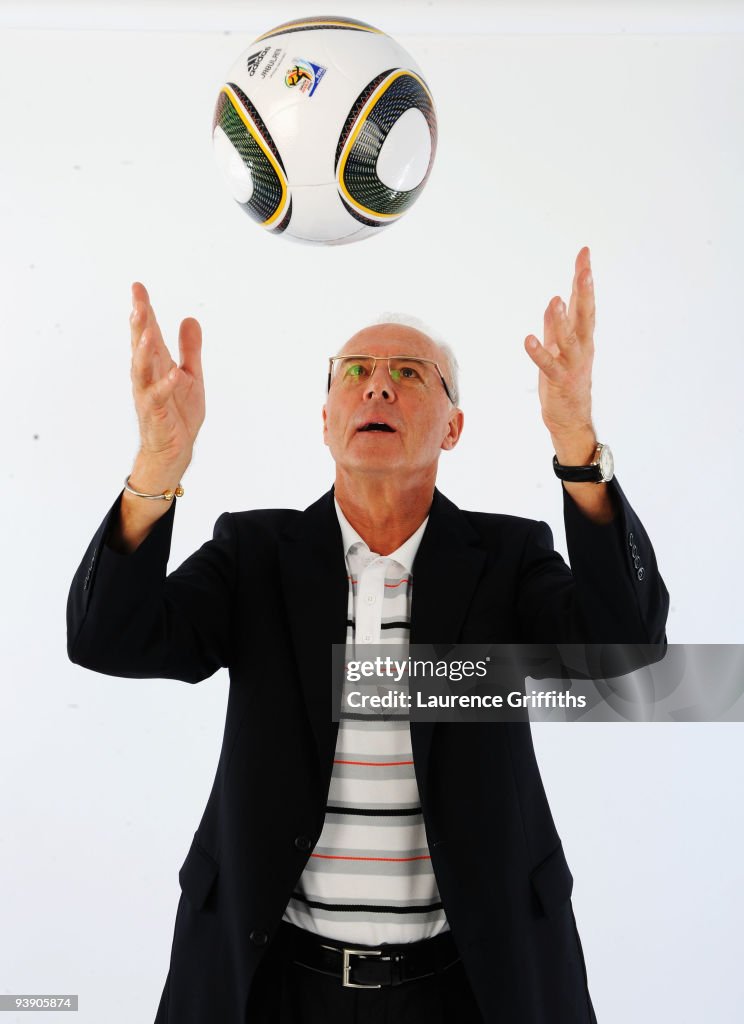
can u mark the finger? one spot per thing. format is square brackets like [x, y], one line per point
[543, 359]
[139, 292]
[189, 346]
[152, 383]
[582, 263]
[142, 314]
[143, 319]
[147, 363]
[581, 311]
[138, 316]
[560, 337]
[156, 336]
[162, 390]
[554, 326]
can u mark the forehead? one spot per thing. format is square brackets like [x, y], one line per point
[390, 340]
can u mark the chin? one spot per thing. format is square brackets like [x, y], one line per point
[373, 464]
[380, 466]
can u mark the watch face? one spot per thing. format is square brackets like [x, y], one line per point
[606, 463]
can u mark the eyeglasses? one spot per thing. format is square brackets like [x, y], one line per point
[407, 371]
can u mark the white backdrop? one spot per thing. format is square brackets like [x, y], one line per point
[555, 132]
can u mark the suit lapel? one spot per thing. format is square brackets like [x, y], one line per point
[446, 571]
[316, 594]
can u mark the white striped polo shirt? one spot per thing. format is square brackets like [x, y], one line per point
[369, 879]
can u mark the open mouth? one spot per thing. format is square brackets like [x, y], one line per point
[384, 427]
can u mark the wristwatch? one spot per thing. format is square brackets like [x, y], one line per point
[599, 471]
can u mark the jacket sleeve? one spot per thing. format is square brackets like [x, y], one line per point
[612, 599]
[127, 617]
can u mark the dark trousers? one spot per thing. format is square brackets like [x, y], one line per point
[287, 993]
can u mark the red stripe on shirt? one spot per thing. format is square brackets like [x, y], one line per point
[373, 764]
[338, 856]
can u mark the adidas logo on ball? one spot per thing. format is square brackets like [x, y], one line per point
[252, 63]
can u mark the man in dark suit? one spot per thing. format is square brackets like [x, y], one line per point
[367, 870]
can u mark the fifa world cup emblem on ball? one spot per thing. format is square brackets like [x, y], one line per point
[296, 73]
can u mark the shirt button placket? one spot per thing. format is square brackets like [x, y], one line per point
[371, 584]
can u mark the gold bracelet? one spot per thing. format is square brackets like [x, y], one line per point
[165, 496]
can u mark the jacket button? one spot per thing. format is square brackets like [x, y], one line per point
[636, 561]
[302, 843]
[641, 573]
[259, 938]
[630, 540]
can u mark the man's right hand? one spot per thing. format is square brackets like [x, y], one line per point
[168, 398]
[170, 406]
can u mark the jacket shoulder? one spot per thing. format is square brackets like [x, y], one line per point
[496, 527]
[267, 516]
[271, 521]
[495, 532]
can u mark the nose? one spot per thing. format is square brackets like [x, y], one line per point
[380, 384]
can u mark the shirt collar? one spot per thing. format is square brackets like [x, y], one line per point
[404, 555]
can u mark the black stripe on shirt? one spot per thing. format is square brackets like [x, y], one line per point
[368, 907]
[383, 812]
[384, 625]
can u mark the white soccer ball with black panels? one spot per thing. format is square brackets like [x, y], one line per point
[325, 130]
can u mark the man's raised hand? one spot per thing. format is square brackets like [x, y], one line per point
[565, 364]
[169, 398]
[565, 387]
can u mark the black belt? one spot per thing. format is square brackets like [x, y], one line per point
[369, 966]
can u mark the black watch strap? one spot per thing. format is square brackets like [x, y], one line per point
[577, 474]
[600, 470]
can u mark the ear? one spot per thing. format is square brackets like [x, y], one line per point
[325, 425]
[455, 425]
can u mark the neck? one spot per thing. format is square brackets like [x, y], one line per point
[384, 512]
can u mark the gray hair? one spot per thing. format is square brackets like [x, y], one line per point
[451, 370]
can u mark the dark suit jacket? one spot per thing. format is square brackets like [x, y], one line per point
[266, 597]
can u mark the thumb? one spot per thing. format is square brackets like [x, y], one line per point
[189, 346]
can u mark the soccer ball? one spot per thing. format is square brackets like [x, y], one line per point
[325, 130]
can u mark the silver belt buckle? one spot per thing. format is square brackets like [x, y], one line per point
[347, 966]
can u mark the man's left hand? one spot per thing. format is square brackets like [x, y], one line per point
[565, 364]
